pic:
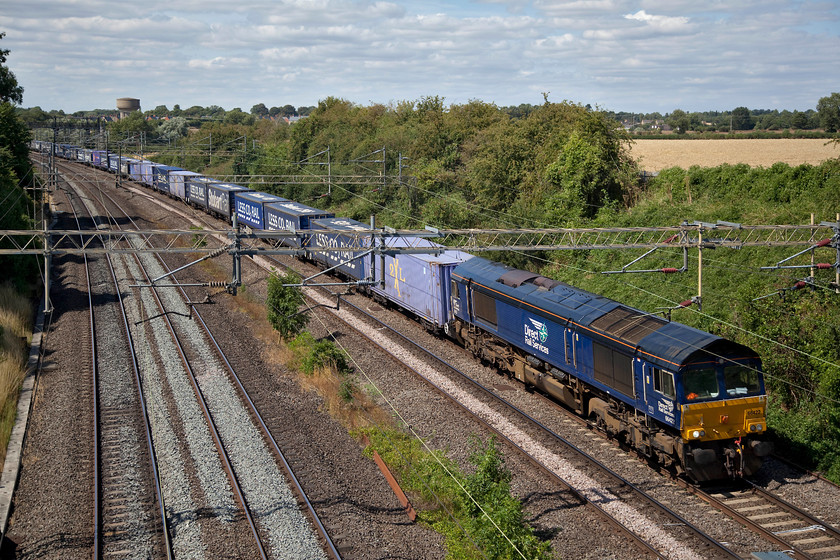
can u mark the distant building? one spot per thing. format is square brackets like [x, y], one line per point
[127, 105]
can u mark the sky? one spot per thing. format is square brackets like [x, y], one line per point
[618, 55]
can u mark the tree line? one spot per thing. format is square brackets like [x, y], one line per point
[826, 116]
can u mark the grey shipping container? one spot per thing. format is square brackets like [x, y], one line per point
[178, 183]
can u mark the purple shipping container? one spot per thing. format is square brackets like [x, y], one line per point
[220, 197]
[291, 216]
[418, 282]
[250, 207]
[336, 238]
[161, 177]
[178, 183]
[197, 190]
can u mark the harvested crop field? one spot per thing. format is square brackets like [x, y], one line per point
[656, 155]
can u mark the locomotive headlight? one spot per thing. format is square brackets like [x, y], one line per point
[756, 427]
[698, 433]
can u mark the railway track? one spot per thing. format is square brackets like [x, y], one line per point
[258, 500]
[129, 514]
[796, 531]
[117, 493]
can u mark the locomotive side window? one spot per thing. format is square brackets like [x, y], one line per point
[740, 380]
[701, 384]
[484, 307]
[663, 382]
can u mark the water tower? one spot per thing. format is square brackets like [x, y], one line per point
[126, 105]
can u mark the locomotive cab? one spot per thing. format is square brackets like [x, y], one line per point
[722, 412]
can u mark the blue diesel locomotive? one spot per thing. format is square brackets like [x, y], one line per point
[680, 396]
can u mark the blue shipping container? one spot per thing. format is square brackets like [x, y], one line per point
[161, 177]
[250, 207]
[114, 162]
[337, 238]
[135, 170]
[291, 216]
[220, 197]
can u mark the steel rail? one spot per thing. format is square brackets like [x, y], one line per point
[766, 532]
[274, 445]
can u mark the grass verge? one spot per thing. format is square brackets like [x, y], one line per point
[15, 334]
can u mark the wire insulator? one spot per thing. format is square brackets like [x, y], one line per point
[686, 303]
[824, 266]
[672, 238]
[799, 285]
[823, 243]
[670, 270]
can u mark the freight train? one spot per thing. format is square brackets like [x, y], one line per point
[683, 398]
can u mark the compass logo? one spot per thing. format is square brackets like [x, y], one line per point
[535, 337]
[542, 329]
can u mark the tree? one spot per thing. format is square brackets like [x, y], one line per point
[679, 121]
[287, 110]
[798, 120]
[259, 110]
[238, 116]
[133, 123]
[283, 303]
[174, 128]
[160, 111]
[741, 119]
[10, 91]
[828, 109]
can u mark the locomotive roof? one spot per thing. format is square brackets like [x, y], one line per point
[667, 344]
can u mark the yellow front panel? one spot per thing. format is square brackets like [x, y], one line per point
[723, 419]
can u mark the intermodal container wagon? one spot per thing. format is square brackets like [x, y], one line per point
[419, 282]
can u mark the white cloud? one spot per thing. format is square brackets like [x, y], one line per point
[620, 54]
[661, 23]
